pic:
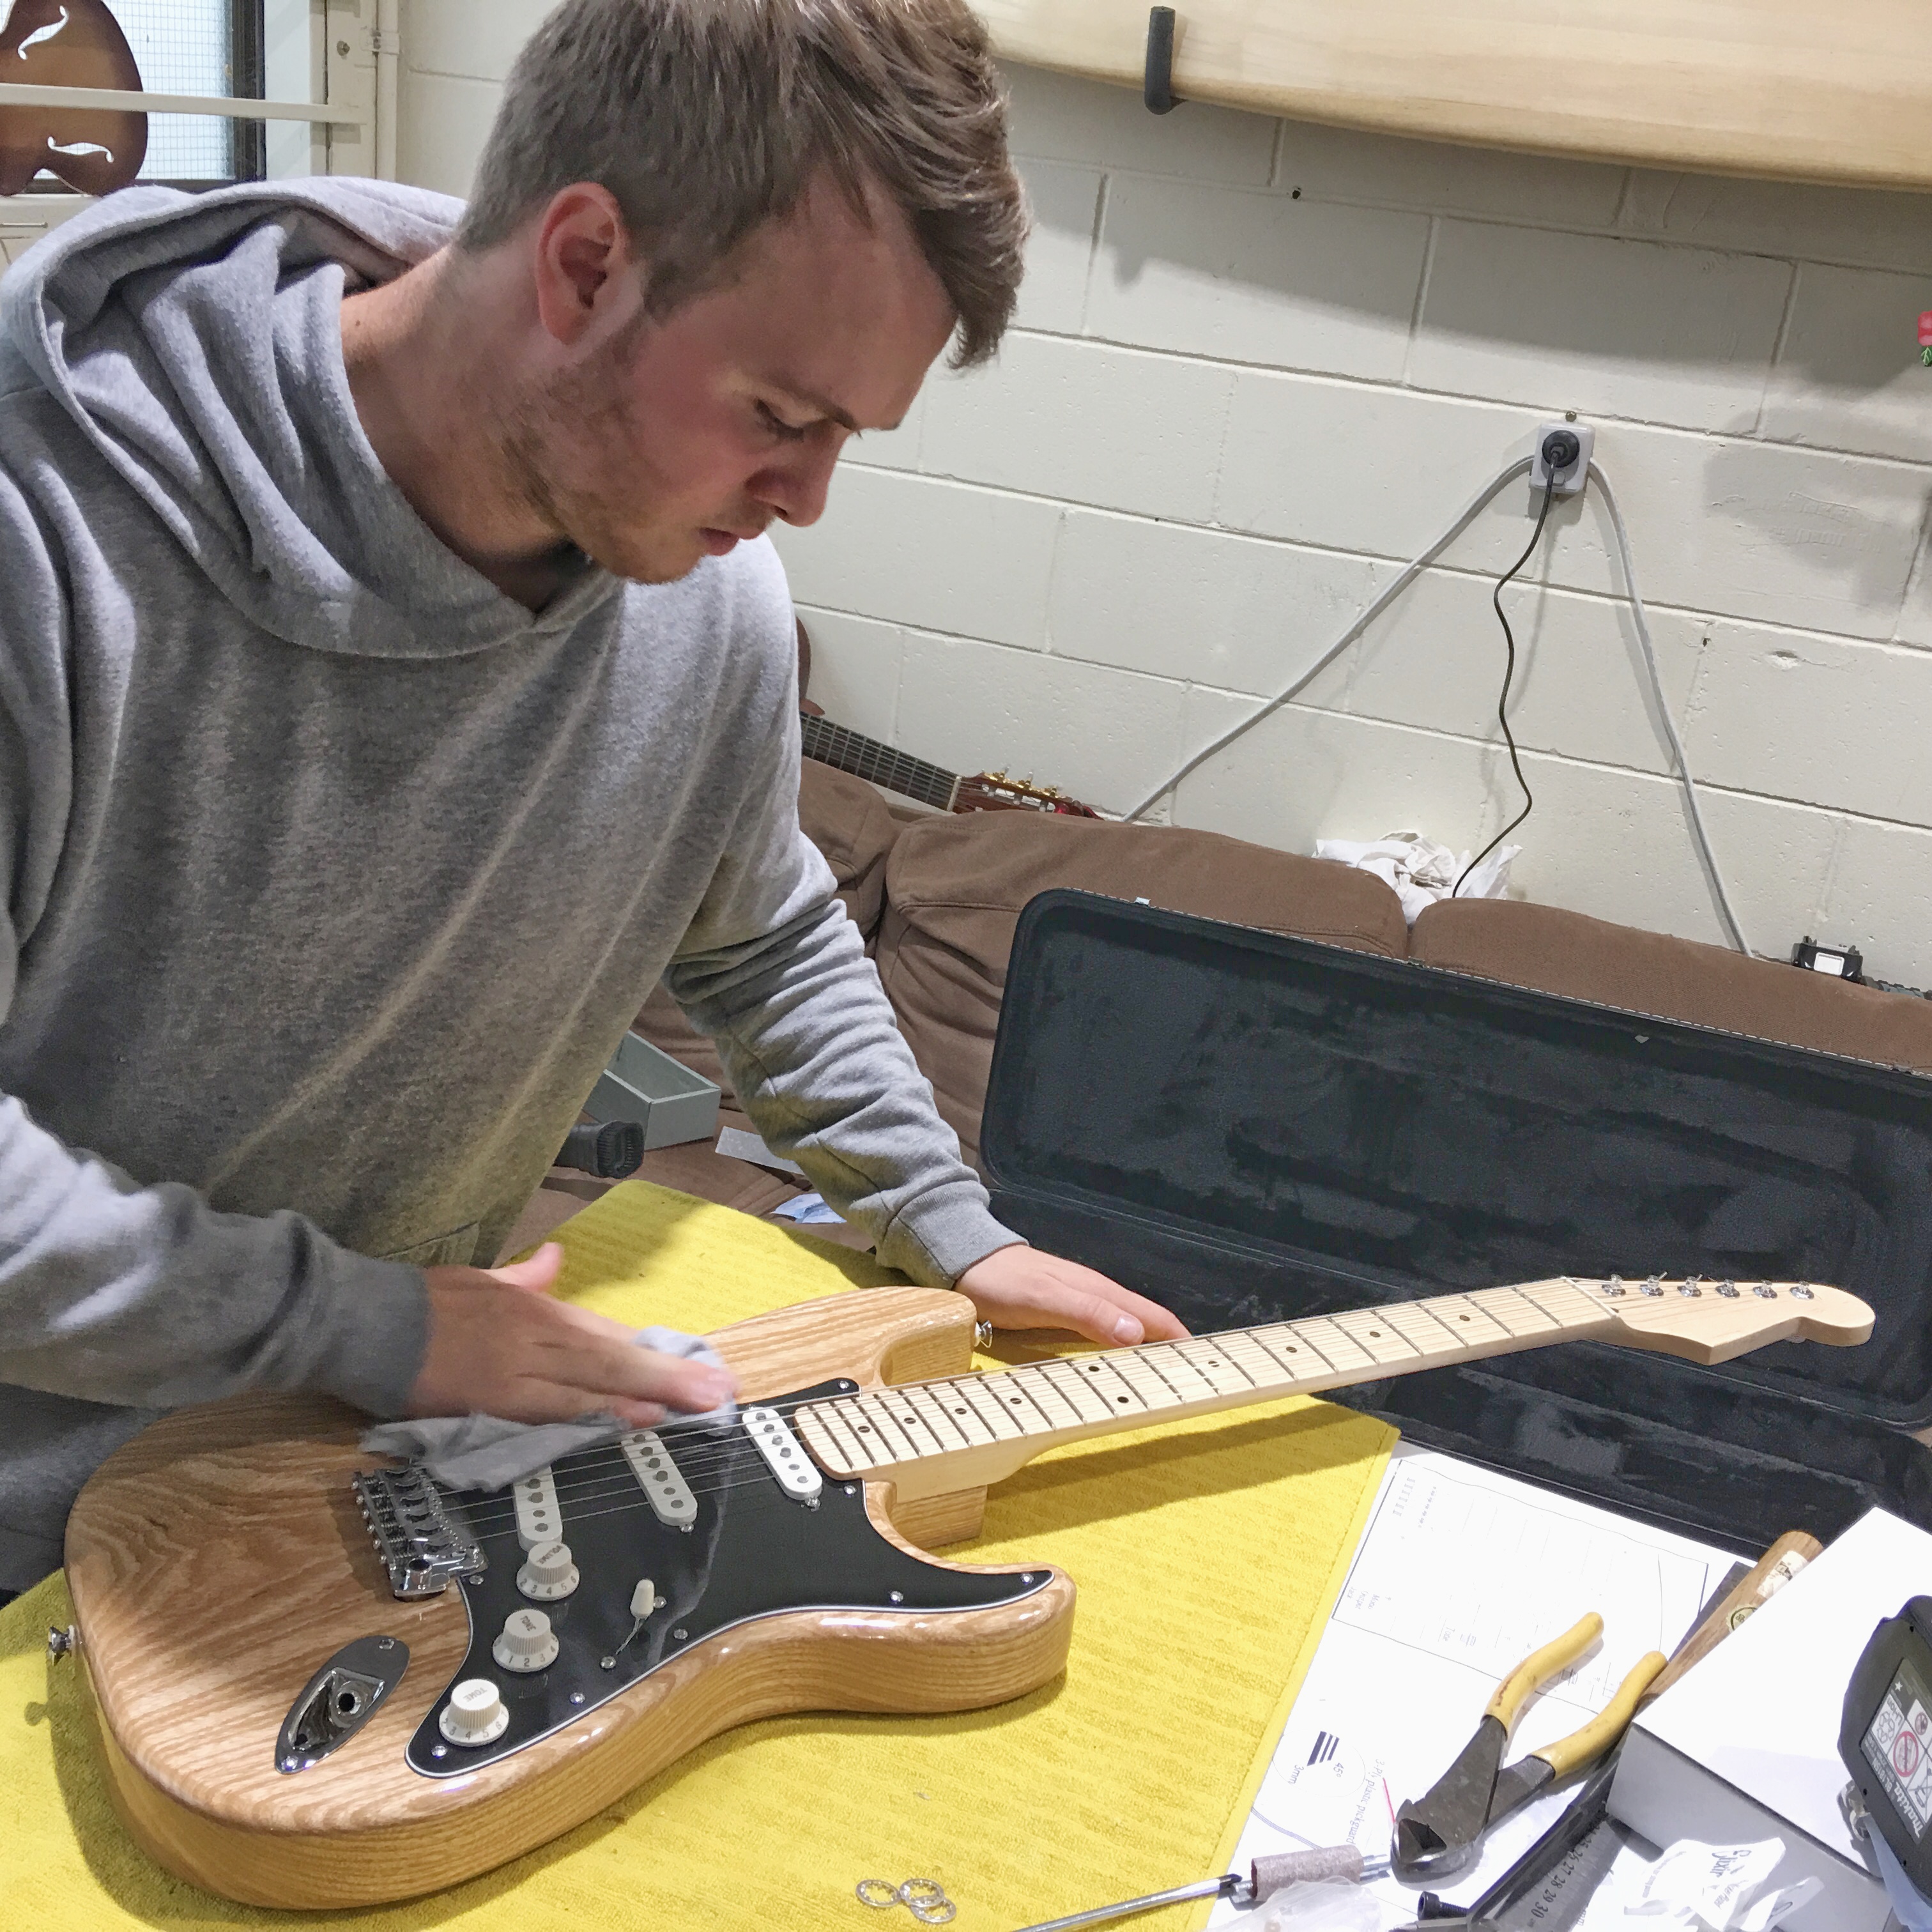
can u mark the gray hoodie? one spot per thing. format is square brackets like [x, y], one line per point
[329, 876]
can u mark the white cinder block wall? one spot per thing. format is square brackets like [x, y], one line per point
[1259, 365]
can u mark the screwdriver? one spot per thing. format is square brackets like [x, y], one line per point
[1265, 1876]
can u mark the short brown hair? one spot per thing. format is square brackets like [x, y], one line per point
[706, 118]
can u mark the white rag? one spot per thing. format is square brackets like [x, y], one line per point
[1419, 871]
[484, 1452]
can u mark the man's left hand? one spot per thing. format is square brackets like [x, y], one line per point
[1021, 1287]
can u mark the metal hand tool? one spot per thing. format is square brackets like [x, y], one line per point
[1437, 1835]
[1265, 1876]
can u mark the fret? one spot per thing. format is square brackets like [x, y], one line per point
[1418, 1324]
[1564, 1302]
[1155, 1390]
[1466, 1319]
[938, 1417]
[1210, 1361]
[1074, 1391]
[1336, 1346]
[829, 1447]
[1020, 1406]
[1045, 1397]
[1294, 1352]
[961, 1413]
[992, 1413]
[1372, 1332]
[874, 1421]
[861, 1452]
[1261, 1368]
[1105, 1379]
[925, 1428]
[1519, 1315]
[1167, 1361]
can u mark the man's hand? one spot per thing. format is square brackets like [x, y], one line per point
[500, 1345]
[1021, 1287]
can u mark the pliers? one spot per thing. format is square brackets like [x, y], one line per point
[1437, 1835]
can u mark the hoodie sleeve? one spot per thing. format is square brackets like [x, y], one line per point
[110, 1291]
[774, 970]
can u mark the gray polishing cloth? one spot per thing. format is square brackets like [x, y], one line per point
[484, 1452]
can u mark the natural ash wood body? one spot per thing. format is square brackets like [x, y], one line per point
[217, 1560]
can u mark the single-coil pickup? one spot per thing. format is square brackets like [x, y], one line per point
[797, 1472]
[538, 1518]
[664, 1488]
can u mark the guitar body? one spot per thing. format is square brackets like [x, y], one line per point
[68, 43]
[219, 1560]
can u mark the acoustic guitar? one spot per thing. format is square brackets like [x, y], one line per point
[319, 1684]
[873, 759]
[68, 43]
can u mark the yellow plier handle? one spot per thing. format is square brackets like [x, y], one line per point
[1540, 1666]
[1585, 1747]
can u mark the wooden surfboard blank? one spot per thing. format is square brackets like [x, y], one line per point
[1778, 87]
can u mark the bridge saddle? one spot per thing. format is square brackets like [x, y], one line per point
[419, 1533]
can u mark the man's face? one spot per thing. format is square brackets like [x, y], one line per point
[653, 444]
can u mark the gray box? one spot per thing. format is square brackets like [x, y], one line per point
[672, 1103]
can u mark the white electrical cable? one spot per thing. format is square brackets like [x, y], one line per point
[1520, 467]
[1408, 575]
[1697, 831]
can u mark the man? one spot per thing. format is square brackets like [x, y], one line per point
[394, 682]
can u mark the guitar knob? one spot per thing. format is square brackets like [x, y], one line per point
[547, 1572]
[526, 1642]
[476, 1713]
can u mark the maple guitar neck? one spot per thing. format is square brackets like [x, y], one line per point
[879, 763]
[932, 1439]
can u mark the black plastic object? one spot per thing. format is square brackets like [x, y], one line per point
[1157, 84]
[1253, 1128]
[1885, 1735]
[611, 1150]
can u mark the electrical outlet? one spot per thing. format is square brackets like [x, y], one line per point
[1571, 477]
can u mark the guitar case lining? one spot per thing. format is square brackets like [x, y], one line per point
[1252, 1128]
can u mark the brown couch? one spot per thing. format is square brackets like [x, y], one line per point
[937, 899]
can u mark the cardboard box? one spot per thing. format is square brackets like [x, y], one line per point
[1745, 1746]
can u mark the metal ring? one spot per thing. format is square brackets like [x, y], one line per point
[867, 1887]
[918, 1892]
[941, 1912]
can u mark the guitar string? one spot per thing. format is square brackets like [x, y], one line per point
[730, 1452]
[699, 1461]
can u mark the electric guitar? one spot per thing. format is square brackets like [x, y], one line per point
[68, 43]
[319, 1684]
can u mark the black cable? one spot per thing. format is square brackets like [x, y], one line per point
[1509, 673]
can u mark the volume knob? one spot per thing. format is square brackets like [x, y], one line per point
[526, 1642]
[476, 1713]
[547, 1572]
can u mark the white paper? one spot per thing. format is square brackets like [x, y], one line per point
[741, 1145]
[1419, 871]
[811, 1210]
[1461, 1573]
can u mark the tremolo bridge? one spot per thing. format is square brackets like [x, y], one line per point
[419, 1533]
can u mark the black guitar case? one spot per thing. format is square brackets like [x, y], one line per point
[1252, 1128]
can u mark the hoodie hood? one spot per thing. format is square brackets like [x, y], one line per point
[196, 341]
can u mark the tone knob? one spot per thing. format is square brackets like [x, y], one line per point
[476, 1713]
[526, 1642]
[547, 1572]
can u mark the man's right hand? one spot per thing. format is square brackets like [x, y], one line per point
[499, 1345]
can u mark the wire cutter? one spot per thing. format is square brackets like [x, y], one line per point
[1437, 1835]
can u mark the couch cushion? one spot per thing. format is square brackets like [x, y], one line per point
[848, 821]
[954, 888]
[1566, 953]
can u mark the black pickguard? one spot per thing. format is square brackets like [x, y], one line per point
[753, 1552]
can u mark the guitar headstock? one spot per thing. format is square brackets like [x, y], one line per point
[1706, 1320]
[994, 791]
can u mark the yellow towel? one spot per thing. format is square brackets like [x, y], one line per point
[1207, 1554]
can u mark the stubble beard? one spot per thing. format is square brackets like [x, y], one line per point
[570, 452]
